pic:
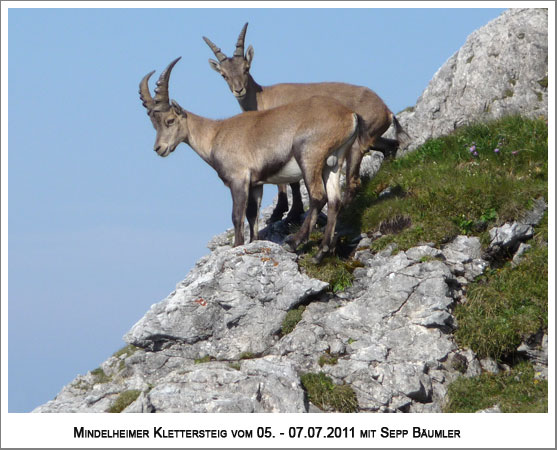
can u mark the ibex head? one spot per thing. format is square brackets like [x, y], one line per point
[167, 117]
[234, 70]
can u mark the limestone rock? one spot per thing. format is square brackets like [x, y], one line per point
[500, 70]
[232, 302]
[263, 385]
[536, 350]
[215, 343]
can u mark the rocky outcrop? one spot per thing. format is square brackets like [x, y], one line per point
[500, 70]
[216, 344]
[232, 302]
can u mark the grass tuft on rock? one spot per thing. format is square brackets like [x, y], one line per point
[327, 359]
[515, 391]
[128, 350]
[508, 304]
[333, 270]
[100, 377]
[204, 359]
[124, 400]
[326, 395]
[291, 319]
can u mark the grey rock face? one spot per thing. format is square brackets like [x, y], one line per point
[500, 70]
[393, 337]
[371, 163]
[264, 385]
[510, 237]
[536, 350]
[214, 344]
[510, 234]
[232, 302]
[493, 409]
[390, 335]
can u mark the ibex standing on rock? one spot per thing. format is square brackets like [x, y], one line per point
[306, 139]
[376, 117]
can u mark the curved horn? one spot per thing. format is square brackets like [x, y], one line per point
[162, 101]
[144, 93]
[240, 44]
[220, 55]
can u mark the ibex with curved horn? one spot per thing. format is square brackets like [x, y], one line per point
[306, 139]
[376, 117]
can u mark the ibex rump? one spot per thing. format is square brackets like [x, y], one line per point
[376, 117]
[302, 140]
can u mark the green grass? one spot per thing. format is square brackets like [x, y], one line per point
[291, 319]
[124, 400]
[444, 190]
[205, 359]
[516, 391]
[507, 304]
[235, 365]
[327, 359]
[128, 350]
[99, 376]
[326, 395]
[334, 270]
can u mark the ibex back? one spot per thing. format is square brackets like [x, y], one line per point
[376, 117]
[301, 140]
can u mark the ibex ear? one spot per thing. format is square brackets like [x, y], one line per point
[249, 55]
[214, 65]
[177, 108]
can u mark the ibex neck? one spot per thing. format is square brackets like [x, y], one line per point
[251, 101]
[201, 132]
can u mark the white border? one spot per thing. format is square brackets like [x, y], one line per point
[485, 430]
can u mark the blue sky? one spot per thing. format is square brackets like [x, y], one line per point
[99, 226]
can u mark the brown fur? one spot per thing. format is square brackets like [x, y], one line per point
[251, 149]
[376, 116]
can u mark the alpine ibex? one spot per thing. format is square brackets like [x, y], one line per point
[376, 117]
[306, 139]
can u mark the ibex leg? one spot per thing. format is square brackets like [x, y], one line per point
[297, 208]
[332, 186]
[317, 199]
[282, 205]
[240, 192]
[252, 212]
[353, 161]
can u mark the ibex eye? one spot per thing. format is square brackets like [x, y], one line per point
[169, 121]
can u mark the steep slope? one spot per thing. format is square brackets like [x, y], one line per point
[500, 70]
[220, 341]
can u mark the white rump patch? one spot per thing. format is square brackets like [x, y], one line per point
[289, 173]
